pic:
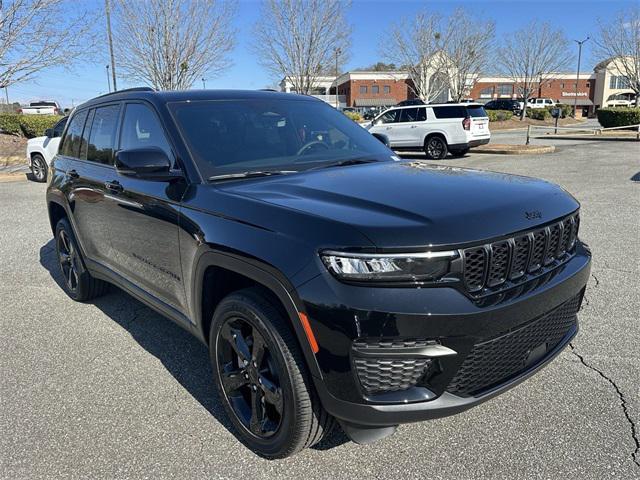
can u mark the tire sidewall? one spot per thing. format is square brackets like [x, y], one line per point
[272, 446]
[43, 165]
[81, 292]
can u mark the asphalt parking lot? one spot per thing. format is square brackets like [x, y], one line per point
[111, 389]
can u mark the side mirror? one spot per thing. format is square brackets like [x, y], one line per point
[49, 133]
[151, 163]
[383, 138]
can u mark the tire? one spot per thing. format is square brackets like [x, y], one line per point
[460, 153]
[435, 147]
[39, 169]
[277, 387]
[77, 281]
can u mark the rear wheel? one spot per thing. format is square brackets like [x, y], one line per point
[77, 281]
[39, 168]
[435, 147]
[262, 379]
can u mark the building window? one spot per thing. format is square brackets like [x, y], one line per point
[504, 90]
[562, 85]
[588, 84]
[363, 89]
[375, 89]
[486, 92]
[387, 89]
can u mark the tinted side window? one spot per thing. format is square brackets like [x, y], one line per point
[413, 114]
[58, 128]
[71, 141]
[142, 129]
[390, 116]
[453, 111]
[103, 134]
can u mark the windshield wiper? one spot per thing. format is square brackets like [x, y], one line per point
[249, 174]
[344, 163]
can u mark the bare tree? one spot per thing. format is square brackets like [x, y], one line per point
[466, 43]
[532, 55]
[619, 41]
[417, 44]
[299, 39]
[39, 34]
[170, 44]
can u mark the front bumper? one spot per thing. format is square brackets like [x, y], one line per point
[340, 314]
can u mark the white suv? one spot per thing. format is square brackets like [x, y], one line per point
[438, 129]
[541, 102]
[41, 150]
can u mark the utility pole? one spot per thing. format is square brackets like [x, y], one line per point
[204, 85]
[337, 51]
[575, 100]
[107, 7]
[108, 78]
[6, 93]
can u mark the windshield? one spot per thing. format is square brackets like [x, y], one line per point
[230, 136]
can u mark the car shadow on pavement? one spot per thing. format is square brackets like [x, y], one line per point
[184, 356]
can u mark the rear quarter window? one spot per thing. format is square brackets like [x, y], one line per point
[70, 146]
[477, 111]
[453, 111]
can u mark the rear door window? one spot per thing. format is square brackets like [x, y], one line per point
[103, 134]
[71, 142]
[410, 114]
[59, 127]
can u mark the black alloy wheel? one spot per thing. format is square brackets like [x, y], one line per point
[436, 148]
[77, 281]
[249, 377]
[262, 378]
[39, 168]
[68, 260]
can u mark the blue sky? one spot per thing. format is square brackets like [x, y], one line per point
[369, 18]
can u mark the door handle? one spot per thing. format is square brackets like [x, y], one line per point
[414, 126]
[73, 174]
[113, 186]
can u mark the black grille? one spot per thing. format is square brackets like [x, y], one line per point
[499, 263]
[474, 268]
[494, 361]
[379, 374]
[491, 265]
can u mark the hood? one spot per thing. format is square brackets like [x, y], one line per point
[36, 140]
[416, 204]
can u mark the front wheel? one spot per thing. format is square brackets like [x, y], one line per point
[435, 148]
[39, 168]
[262, 378]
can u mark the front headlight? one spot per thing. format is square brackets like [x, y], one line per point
[401, 267]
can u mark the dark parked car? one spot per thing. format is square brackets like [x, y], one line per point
[412, 101]
[510, 105]
[329, 280]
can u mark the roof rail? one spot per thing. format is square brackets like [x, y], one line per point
[124, 90]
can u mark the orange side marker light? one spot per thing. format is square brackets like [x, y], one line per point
[307, 330]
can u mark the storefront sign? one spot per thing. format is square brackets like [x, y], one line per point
[573, 94]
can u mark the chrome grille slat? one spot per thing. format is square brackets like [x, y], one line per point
[493, 264]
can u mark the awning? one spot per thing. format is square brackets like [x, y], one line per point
[581, 102]
[375, 102]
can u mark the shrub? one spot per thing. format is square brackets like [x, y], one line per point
[538, 113]
[619, 116]
[499, 115]
[355, 116]
[26, 125]
[567, 110]
[10, 123]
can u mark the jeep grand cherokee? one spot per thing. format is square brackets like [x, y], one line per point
[330, 280]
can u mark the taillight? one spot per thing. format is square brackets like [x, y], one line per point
[19, 110]
[466, 123]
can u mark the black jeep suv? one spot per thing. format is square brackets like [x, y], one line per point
[329, 279]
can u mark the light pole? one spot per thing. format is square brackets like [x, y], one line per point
[107, 8]
[6, 93]
[575, 100]
[204, 85]
[108, 78]
[337, 51]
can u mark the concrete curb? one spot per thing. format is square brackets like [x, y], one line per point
[505, 150]
[587, 137]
